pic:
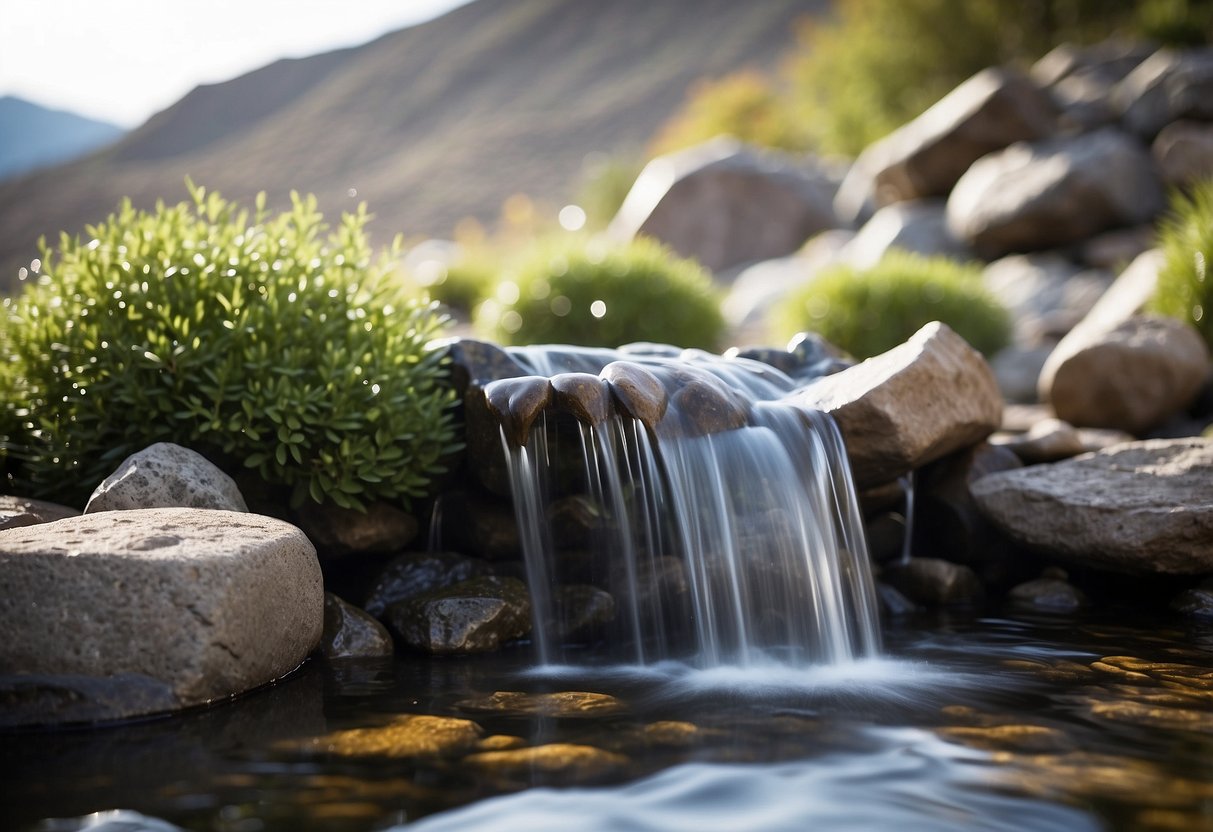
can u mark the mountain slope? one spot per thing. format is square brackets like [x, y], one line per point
[428, 125]
[33, 136]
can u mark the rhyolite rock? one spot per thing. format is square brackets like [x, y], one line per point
[1140, 507]
[725, 204]
[165, 475]
[928, 155]
[916, 403]
[22, 511]
[191, 604]
[473, 616]
[1129, 378]
[1035, 195]
[416, 573]
[351, 633]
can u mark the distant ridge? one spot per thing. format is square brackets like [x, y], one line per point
[33, 136]
[429, 124]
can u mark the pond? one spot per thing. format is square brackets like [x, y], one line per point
[965, 722]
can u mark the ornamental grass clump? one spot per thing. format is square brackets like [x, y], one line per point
[869, 311]
[587, 293]
[1185, 281]
[272, 343]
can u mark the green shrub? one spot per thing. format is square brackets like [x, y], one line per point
[590, 294]
[274, 343]
[867, 312]
[604, 187]
[461, 283]
[1185, 284]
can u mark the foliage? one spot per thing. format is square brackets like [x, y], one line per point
[459, 282]
[1185, 284]
[870, 311]
[274, 343]
[746, 105]
[592, 294]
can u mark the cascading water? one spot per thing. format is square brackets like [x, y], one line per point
[725, 523]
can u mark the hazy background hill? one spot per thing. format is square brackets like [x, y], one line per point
[32, 136]
[429, 124]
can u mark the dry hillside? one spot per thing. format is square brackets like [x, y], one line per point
[428, 124]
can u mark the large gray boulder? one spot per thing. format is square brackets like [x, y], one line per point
[1141, 507]
[914, 404]
[1166, 87]
[179, 606]
[725, 204]
[165, 475]
[1032, 196]
[928, 155]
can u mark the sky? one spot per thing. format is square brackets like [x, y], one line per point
[123, 60]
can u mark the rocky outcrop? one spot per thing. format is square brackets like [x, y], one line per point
[916, 403]
[182, 606]
[1036, 195]
[1141, 507]
[724, 204]
[165, 475]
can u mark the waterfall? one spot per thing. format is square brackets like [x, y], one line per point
[726, 525]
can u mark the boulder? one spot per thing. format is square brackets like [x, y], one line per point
[725, 204]
[1166, 87]
[916, 403]
[919, 226]
[191, 605]
[1140, 508]
[927, 156]
[1036, 195]
[22, 511]
[1184, 152]
[351, 633]
[1081, 79]
[474, 616]
[1129, 378]
[381, 528]
[165, 475]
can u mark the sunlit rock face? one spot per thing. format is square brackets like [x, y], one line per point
[1140, 507]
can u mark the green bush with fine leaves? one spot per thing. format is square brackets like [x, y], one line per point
[269, 342]
[869, 311]
[1185, 282]
[593, 294]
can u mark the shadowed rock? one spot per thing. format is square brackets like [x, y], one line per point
[474, 616]
[637, 392]
[585, 396]
[516, 402]
[16, 512]
[351, 633]
[414, 574]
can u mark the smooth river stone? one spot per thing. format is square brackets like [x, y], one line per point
[1140, 507]
[204, 603]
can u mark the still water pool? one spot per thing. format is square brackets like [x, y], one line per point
[967, 723]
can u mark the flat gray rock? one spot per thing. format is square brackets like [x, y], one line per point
[918, 402]
[165, 475]
[205, 603]
[1141, 507]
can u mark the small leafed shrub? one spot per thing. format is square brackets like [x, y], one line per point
[270, 342]
[867, 312]
[590, 294]
[1185, 282]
